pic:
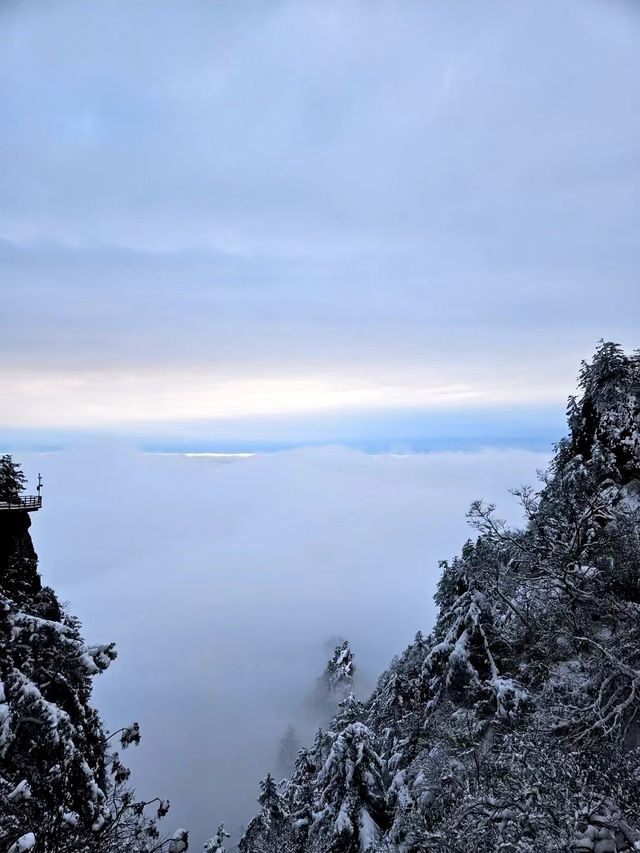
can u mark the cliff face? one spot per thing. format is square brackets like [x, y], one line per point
[19, 576]
[514, 726]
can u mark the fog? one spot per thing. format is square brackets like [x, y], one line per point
[221, 579]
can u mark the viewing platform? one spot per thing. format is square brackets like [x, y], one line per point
[29, 503]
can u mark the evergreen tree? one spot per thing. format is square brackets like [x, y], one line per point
[335, 683]
[340, 672]
[604, 421]
[463, 662]
[300, 798]
[350, 813]
[12, 480]
[269, 831]
[351, 710]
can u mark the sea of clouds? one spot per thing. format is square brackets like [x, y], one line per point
[221, 580]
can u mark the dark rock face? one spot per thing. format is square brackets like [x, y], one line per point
[19, 577]
[18, 559]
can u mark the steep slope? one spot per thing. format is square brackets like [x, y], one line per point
[515, 726]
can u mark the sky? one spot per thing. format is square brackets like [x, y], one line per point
[222, 582]
[319, 228]
[246, 225]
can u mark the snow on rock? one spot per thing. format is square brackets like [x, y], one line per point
[24, 843]
[22, 791]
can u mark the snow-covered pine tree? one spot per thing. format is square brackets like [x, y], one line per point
[340, 672]
[604, 421]
[465, 658]
[299, 797]
[350, 813]
[62, 786]
[335, 683]
[351, 710]
[270, 831]
[12, 480]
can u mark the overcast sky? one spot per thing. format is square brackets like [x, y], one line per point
[224, 218]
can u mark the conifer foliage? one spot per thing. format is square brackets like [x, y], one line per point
[335, 683]
[514, 726]
[12, 479]
[270, 830]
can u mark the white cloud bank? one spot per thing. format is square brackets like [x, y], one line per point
[221, 582]
[96, 400]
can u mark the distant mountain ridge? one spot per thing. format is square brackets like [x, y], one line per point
[515, 725]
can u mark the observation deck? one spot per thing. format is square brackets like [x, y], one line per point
[28, 503]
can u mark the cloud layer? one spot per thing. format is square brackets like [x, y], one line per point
[221, 582]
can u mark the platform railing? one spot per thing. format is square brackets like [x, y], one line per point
[28, 503]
